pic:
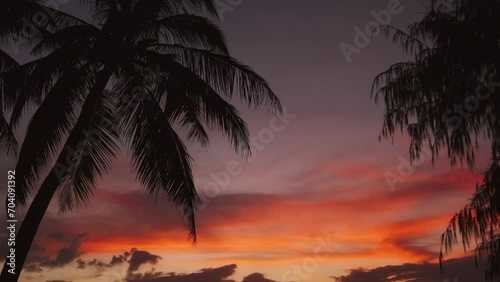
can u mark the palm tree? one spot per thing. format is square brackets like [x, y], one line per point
[444, 98]
[92, 88]
[13, 21]
[18, 24]
[8, 142]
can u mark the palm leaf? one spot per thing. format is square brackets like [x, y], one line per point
[90, 148]
[42, 74]
[8, 140]
[180, 108]
[218, 113]
[187, 30]
[225, 75]
[49, 126]
[93, 156]
[160, 158]
[162, 8]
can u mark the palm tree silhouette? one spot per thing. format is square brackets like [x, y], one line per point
[445, 98]
[22, 22]
[13, 22]
[8, 142]
[142, 66]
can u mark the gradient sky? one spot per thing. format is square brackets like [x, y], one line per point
[312, 205]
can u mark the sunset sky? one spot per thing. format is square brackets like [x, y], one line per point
[312, 204]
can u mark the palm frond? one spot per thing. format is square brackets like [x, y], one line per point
[162, 8]
[94, 154]
[408, 42]
[160, 157]
[42, 74]
[15, 18]
[478, 221]
[187, 30]
[225, 75]
[490, 249]
[49, 126]
[218, 113]
[8, 141]
[180, 108]
[7, 62]
[75, 35]
[90, 147]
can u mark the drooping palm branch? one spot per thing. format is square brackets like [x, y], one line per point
[456, 56]
[478, 223]
[86, 92]
[8, 141]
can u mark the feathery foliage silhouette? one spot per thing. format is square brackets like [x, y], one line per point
[446, 98]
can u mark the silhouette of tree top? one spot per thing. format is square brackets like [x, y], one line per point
[448, 97]
[140, 67]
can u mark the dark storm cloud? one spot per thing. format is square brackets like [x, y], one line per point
[145, 276]
[65, 255]
[135, 258]
[256, 277]
[209, 274]
[463, 269]
[81, 264]
[97, 263]
[139, 258]
[116, 260]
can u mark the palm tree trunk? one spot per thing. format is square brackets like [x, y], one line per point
[38, 207]
[29, 227]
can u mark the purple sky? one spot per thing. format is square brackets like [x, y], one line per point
[319, 177]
